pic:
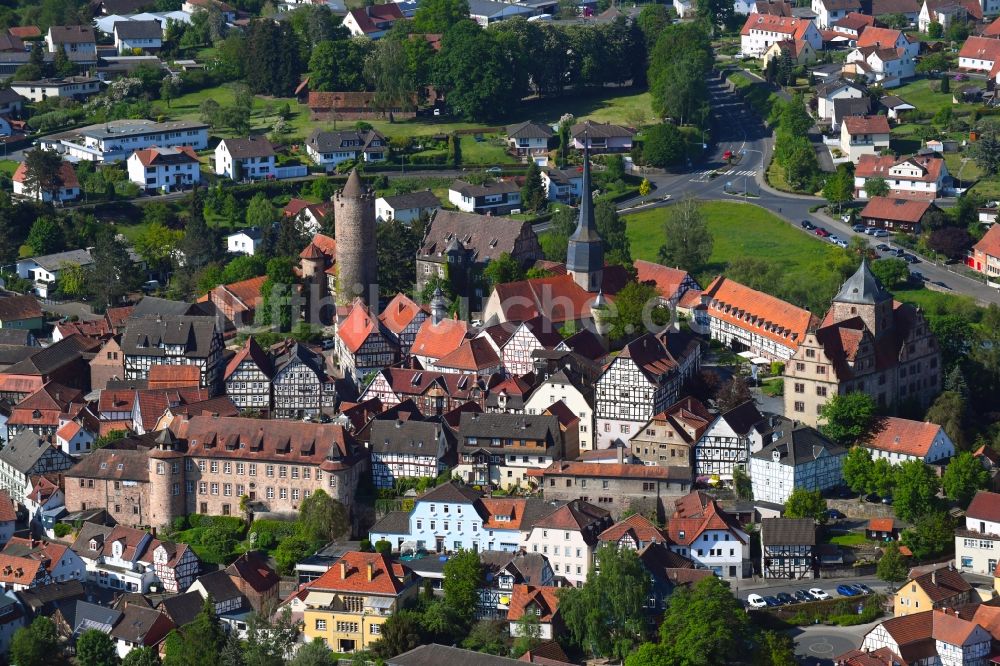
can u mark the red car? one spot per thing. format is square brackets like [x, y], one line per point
[728, 155]
[821, 232]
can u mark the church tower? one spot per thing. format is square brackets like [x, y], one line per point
[864, 296]
[585, 255]
[357, 266]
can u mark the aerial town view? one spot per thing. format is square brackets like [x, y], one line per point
[500, 332]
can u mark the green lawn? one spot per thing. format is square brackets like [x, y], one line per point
[850, 539]
[9, 166]
[918, 93]
[739, 230]
[969, 170]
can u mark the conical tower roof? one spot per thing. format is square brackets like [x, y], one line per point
[312, 252]
[353, 188]
[863, 288]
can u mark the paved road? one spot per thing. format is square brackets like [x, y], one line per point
[819, 644]
[739, 130]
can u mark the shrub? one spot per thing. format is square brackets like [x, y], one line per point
[266, 534]
[383, 547]
[62, 529]
[777, 368]
[365, 546]
[181, 523]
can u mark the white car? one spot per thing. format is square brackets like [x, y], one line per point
[756, 601]
[818, 594]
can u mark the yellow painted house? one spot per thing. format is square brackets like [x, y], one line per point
[942, 587]
[801, 51]
[348, 605]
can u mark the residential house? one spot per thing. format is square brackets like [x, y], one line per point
[116, 140]
[884, 66]
[11, 103]
[248, 378]
[496, 198]
[73, 39]
[77, 88]
[931, 636]
[888, 38]
[516, 342]
[173, 340]
[900, 440]
[311, 216]
[898, 215]
[227, 11]
[702, 532]
[671, 283]
[896, 107]
[864, 135]
[140, 626]
[979, 54]
[866, 342]
[245, 241]
[540, 601]
[985, 256]
[60, 563]
[502, 571]
[231, 607]
[529, 138]
[133, 560]
[601, 137]
[852, 25]
[238, 301]
[761, 31]
[434, 393]
[909, 9]
[943, 587]
[255, 579]
[328, 149]
[799, 51]
[302, 387]
[641, 381]
[164, 169]
[62, 362]
[500, 449]
[729, 440]
[617, 487]
[137, 36]
[402, 318]
[829, 12]
[21, 312]
[634, 533]
[668, 439]
[364, 345]
[245, 159]
[831, 91]
[76, 436]
[882, 529]
[796, 457]
[372, 21]
[923, 177]
[347, 606]
[568, 537]
[45, 503]
[407, 450]
[842, 108]
[66, 188]
[788, 548]
[406, 208]
[572, 390]
[563, 185]
[24, 456]
[978, 544]
[947, 12]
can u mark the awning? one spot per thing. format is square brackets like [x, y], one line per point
[381, 603]
[760, 360]
[746, 354]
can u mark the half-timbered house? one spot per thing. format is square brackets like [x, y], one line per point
[788, 548]
[726, 444]
[173, 340]
[364, 345]
[641, 381]
[703, 532]
[515, 342]
[25, 456]
[932, 637]
[499, 449]
[406, 449]
[573, 390]
[301, 384]
[669, 437]
[248, 378]
[403, 318]
[796, 457]
[435, 393]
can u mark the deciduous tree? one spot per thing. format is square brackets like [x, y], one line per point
[316, 653]
[931, 535]
[986, 149]
[687, 242]
[915, 491]
[664, 144]
[36, 644]
[732, 394]
[849, 417]
[142, 656]
[963, 477]
[892, 566]
[804, 503]
[463, 576]
[858, 469]
[95, 648]
[502, 270]
[42, 170]
[892, 273]
[322, 518]
[437, 16]
[876, 187]
[705, 625]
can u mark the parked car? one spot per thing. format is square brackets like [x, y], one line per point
[756, 601]
[864, 588]
[917, 275]
[818, 594]
[880, 233]
[840, 242]
[803, 595]
[821, 232]
[941, 284]
[833, 238]
[858, 227]
[833, 514]
[911, 259]
[900, 252]
[873, 498]
[807, 225]
[846, 591]
[882, 247]
[772, 601]
[785, 598]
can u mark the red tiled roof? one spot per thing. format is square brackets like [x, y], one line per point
[747, 308]
[867, 124]
[49, 402]
[472, 355]
[695, 513]
[440, 339]
[667, 280]
[173, 376]
[890, 208]
[636, 524]
[993, 29]
[771, 23]
[611, 471]
[14, 307]
[881, 524]
[297, 442]
[387, 577]
[179, 155]
[904, 436]
[990, 243]
[253, 569]
[69, 430]
[356, 327]
[529, 596]
[66, 174]
[152, 403]
[24, 31]
[878, 166]
[513, 510]
[981, 48]
[254, 352]
[368, 18]
[883, 37]
[558, 298]
[18, 570]
[400, 313]
[942, 583]
[985, 506]
[855, 21]
[7, 512]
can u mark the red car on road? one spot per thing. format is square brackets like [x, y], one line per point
[821, 232]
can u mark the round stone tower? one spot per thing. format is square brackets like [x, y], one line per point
[166, 468]
[357, 267]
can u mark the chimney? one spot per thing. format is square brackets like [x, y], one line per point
[934, 577]
[621, 454]
[343, 570]
[371, 571]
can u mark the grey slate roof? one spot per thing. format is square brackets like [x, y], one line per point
[88, 532]
[442, 655]
[220, 586]
[506, 426]
[182, 608]
[529, 130]
[798, 446]
[860, 106]
[249, 147]
[345, 140]
[84, 615]
[486, 189]
[420, 199]
[743, 417]
[826, 88]
[17, 337]
[144, 337]
[599, 130]
[54, 262]
[417, 438]
[53, 357]
[451, 492]
[788, 532]
[152, 306]
[138, 29]
[862, 288]
[394, 522]
[485, 238]
[25, 450]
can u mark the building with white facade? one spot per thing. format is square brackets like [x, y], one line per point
[143, 36]
[829, 12]
[729, 440]
[496, 198]
[245, 159]
[406, 208]
[116, 140]
[979, 54]
[922, 177]
[71, 87]
[977, 546]
[568, 537]
[164, 169]
[796, 457]
[75, 40]
[406, 450]
[702, 532]
[931, 637]
[899, 440]
[244, 241]
[572, 390]
[864, 135]
[27, 455]
[328, 149]
[761, 31]
[67, 189]
[828, 93]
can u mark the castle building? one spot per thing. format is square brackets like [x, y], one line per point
[357, 268]
[867, 342]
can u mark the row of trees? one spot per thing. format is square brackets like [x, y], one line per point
[793, 151]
